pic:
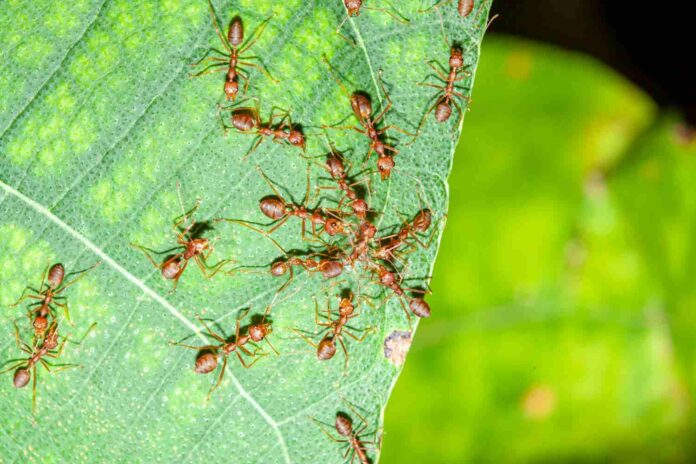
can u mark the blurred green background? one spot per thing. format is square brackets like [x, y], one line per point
[564, 303]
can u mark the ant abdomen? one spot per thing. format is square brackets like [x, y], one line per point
[326, 348]
[55, 275]
[344, 426]
[272, 207]
[419, 307]
[243, 120]
[170, 269]
[330, 269]
[21, 377]
[235, 34]
[443, 111]
[206, 363]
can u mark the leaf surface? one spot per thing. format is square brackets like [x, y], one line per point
[99, 123]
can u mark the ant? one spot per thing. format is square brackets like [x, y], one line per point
[329, 268]
[277, 208]
[409, 230]
[335, 329]
[233, 60]
[353, 10]
[337, 170]
[362, 109]
[208, 358]
[388, 279]
[344, 428]
[50, 347]
[445, 100]
[196, 248]
[246, 120]
[464, 7]
[54, 281]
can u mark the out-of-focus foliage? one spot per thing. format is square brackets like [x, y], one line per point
[563, 291]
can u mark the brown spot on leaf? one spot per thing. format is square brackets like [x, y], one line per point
[396, 346]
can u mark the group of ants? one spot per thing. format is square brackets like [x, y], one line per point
[352, 218]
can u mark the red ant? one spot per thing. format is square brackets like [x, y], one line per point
[353, 10]
[198, 249]
[388, 279]
[53, 279]
[246, 120]
[464, 7]
[232, 59]
[442, 106]
[50, 347]
[362, 109]
[207, 360]
[409, 230]
[336, 168]
[335, 329]
[344, 428]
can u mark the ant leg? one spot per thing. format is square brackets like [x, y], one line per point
[33, 391]
[17, 362]
[254, 36]
[438, 69]
[247, 366]
[393, 13]
[195, 348]
[209, 273]
[253, 148]
[218, 29]
[424, 119]
[255, 229]
[210, 69]
[212, 58]
[146, 252]
[279, 224]
[305, 338]
[338, 31]
[261, 68]
[76, 279]
[316, 315]
[219, 380]
[271, 345]
[345, 351]
[25, 296]
[210, 332]
[20, 344]
[436, 5]
[328, 434]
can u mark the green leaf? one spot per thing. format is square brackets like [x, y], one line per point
[99, 122]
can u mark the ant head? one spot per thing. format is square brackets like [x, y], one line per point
[456, 59]
[21, 377]
[385, 164]
[273, 207]
[278, 268]
[326, 348]
[335, 166]
[333, 226]
[344, 426]
[258, 332]
[419, 307]
[170, 269]
[199, 245]
[353, 6]
[243, 120]
[386, 277]
[345, 306]
[296, 138]
[362, 106]
[422, 220]
[360, 208]
[368, 230]
[55, 276]
[330, 268]
[235, 34]
[443, 110]
[231, 90]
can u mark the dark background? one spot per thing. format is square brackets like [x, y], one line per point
[651, 43]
